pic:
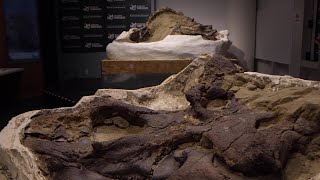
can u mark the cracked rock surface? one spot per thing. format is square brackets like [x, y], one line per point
[168, 35]
[211, 121]
[167, 21]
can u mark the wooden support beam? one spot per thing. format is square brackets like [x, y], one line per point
[110, 67]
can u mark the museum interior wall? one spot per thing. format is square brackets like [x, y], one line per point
[285, 35]
[32, 79]
[278, 20]
[236, 16]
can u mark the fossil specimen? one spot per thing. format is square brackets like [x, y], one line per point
[168, 35]
[211, 121]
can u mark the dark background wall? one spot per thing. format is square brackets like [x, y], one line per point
[3, 57]
[33, 75]
[48, 31]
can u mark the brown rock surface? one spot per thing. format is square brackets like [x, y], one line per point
[207, 122]
[166, 21]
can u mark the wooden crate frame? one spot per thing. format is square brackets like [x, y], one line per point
[109, 67]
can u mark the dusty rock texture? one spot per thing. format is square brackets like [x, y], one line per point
[166, 21]
[168, 35]
[211, 121]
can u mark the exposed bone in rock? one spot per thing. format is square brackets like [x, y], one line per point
[166, 22]
[224, 129]
[166, 30]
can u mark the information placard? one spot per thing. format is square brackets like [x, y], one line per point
[89, 25]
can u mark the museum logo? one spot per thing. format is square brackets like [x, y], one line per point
[137, 25]
[92, 26]
[112, 17]
[135, 7]
[113, 36]
[90, 45]
[91, 8]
